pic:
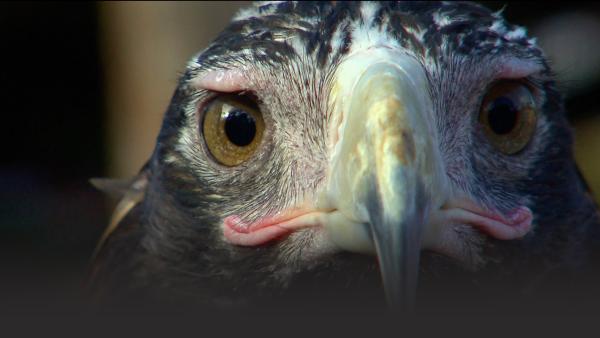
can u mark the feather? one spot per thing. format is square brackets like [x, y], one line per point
[131, 192]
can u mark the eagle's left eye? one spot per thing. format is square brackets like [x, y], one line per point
[233, 127]
[508, 116]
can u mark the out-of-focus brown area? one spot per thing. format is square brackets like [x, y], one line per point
[144, 47]
[84, 87]
[587, 151]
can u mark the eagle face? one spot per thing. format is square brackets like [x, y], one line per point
[354, 145]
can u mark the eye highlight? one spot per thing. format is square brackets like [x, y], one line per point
[233, 128]
[508, 116]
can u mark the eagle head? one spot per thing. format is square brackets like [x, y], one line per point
[342, 151]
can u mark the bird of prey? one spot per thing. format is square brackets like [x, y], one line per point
[353, 153]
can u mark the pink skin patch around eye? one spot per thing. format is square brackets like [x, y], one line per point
[514, 68]
[226, 81]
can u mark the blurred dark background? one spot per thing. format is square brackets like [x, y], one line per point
[83, 87]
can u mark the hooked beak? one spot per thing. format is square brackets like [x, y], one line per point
[386, 173]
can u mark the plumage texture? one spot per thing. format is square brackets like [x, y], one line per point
[170, 245]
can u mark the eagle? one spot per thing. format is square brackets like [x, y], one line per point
[357, 154]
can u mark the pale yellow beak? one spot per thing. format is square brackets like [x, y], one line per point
[386, 174]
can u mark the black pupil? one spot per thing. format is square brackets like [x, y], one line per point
[502, 115]
[240, 127]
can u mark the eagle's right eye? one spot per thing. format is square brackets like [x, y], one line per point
[233, 128]
[508, 116]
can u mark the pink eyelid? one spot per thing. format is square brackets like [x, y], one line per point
[233, 80]
[514, 68]
[226, 81]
